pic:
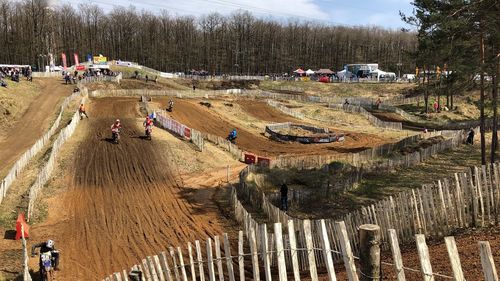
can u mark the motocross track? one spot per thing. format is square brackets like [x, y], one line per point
[123, 201]
[192, 114]
[262, 111]
[34, 123]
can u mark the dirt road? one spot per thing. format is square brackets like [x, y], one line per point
[199, 117]
[35, 122]
[123, 202]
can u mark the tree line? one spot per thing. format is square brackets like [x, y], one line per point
[236, 43]
[464, 38]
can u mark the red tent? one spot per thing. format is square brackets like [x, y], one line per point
[299, 71]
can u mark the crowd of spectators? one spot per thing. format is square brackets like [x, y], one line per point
[72, 78]
[14, 74]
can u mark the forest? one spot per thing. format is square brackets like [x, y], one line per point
[236, 43]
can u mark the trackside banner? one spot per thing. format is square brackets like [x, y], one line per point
[173, 126]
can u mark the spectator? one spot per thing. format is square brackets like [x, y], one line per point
[147, 78]
[436, 106]
[377, 103]
[3, 83]
[470, 136]
[194, 87]
[284, 196]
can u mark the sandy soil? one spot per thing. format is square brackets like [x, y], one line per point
[34, 123]
[192, 114]
[124, 201]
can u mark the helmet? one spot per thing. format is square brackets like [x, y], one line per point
[147, 117]
[50, 244]
[117, 121]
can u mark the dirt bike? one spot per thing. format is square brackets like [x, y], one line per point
[47, 265]
[231, 139]
[116, 135]
[148, 131]
[170, 108]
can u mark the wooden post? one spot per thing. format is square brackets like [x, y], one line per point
[159, 271]
[211, 270]
[310, 250]
[229, 259]
[265, 252]
[164, 266]
[346, 251]
[241, 256]
[174, 260]
[425, 262]
[191, 261]
[152, 268]
[327, 252]
[369, 252]
[456, 266]
[199, 259]
[218, 257]
[255, 257]
[490, 272]
[293, 250]
[181, 262]
[145, 270]
[396, 255]
[280, 253]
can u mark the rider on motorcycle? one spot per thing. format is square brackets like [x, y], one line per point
[47, 247]
[82, 111]
[232, 135]
[116, 126]
[170, 105]
[148, 123]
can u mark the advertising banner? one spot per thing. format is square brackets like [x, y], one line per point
[100, 60]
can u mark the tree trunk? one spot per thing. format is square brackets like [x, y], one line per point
[481, 103]
[494, 92]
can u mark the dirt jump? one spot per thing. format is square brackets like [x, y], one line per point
[192, 114]
[123, 202]
[35, 122]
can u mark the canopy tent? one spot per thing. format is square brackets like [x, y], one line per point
[382, 74]
[310, 72]
[299, 71]
[344, 74]
[324, 71]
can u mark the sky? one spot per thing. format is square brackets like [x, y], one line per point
[383, 13]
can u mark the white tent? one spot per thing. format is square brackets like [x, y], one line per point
[379, 74]
[309, 72]
[344, 74]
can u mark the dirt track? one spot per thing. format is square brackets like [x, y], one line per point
[123, 202]
[35, 122]
[264, 112]
[197, 116]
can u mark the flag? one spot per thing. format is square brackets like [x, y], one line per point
[77, 62]
[65, 64]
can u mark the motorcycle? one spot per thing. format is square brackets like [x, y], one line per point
[170, 108]
[148, 131]
[47, 265]
[231, 139]
[116, 135]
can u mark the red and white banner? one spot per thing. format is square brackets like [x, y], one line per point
[65, 64]
[173, 126]
[77, 62]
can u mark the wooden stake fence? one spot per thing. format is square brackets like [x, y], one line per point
[282, 249]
